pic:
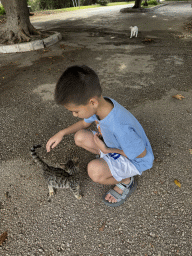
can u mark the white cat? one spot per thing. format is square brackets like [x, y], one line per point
[134, 31]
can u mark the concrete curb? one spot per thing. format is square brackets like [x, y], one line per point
[31, 46]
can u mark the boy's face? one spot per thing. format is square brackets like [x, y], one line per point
[82, 111]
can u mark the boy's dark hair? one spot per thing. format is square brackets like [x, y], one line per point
[77, 85]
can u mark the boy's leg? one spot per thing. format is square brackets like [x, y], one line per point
[98, 169]
[85, 139]
[99, 172]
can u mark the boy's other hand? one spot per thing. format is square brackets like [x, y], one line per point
[54, 141]
[101, 145]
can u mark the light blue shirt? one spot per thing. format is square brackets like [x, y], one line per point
[120, 129]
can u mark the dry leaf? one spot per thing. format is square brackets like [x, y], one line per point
[178, 97]
[102, 227]
[62, 46]
[3, 237]
[147, 40]
[177, 183]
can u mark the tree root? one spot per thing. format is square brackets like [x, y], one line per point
[34, 31]
[23, 35]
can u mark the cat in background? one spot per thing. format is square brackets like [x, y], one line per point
[134, 31]
[58, 177]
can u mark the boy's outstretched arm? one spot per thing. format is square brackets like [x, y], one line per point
[57, 138]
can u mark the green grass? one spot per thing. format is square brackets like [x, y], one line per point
[2, 10]
[149, 6]
[151, 3]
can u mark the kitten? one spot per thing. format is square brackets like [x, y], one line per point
[134, 31]
[58, 177]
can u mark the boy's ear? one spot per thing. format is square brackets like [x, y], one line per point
[93, 102]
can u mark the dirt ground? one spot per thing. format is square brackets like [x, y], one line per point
[142, 75]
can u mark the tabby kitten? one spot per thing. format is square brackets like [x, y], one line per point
[57, 177]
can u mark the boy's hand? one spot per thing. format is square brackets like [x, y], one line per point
[101, 145]
[54, 141]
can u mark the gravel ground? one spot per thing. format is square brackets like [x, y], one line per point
[143, 77]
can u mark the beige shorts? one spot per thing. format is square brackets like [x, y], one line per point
[120, 166]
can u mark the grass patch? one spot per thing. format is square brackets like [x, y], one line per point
[149, 6]
[2, 10]
[151, 3]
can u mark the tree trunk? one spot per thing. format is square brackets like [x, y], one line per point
[137, 4]
[18, 27]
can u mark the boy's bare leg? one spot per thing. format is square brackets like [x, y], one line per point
[99, 172]
[85, 139]
[98, 169]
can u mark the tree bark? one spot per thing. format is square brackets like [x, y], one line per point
[18, 27]
[137, 4]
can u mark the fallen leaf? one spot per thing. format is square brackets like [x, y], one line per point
[3, 237]
[178, 97]
[177, 183]
[147, 40]
[62, 46]
[190, 151]
[102, 227]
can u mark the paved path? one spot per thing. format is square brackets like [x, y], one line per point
[143, 77]
[175, 10]
[78, 14]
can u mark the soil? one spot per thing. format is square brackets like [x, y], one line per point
[143, 77]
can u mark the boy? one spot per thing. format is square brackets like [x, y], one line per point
[121, 142]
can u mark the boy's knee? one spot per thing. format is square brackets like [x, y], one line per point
[79, 137]
[94, 171]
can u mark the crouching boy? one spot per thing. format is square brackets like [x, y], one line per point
[121, 142]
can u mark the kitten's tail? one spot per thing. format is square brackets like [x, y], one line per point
[36, 158]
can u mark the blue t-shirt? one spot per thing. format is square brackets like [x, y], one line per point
[120, 129]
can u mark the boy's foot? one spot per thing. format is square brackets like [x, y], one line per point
[112, 199]
[119, 193]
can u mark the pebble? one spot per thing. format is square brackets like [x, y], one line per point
[152, 234]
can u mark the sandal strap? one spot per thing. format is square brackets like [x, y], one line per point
[121, 186]
[125, 187]
[114, 194]
[118, 196]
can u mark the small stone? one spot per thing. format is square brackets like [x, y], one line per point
[152, 234]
